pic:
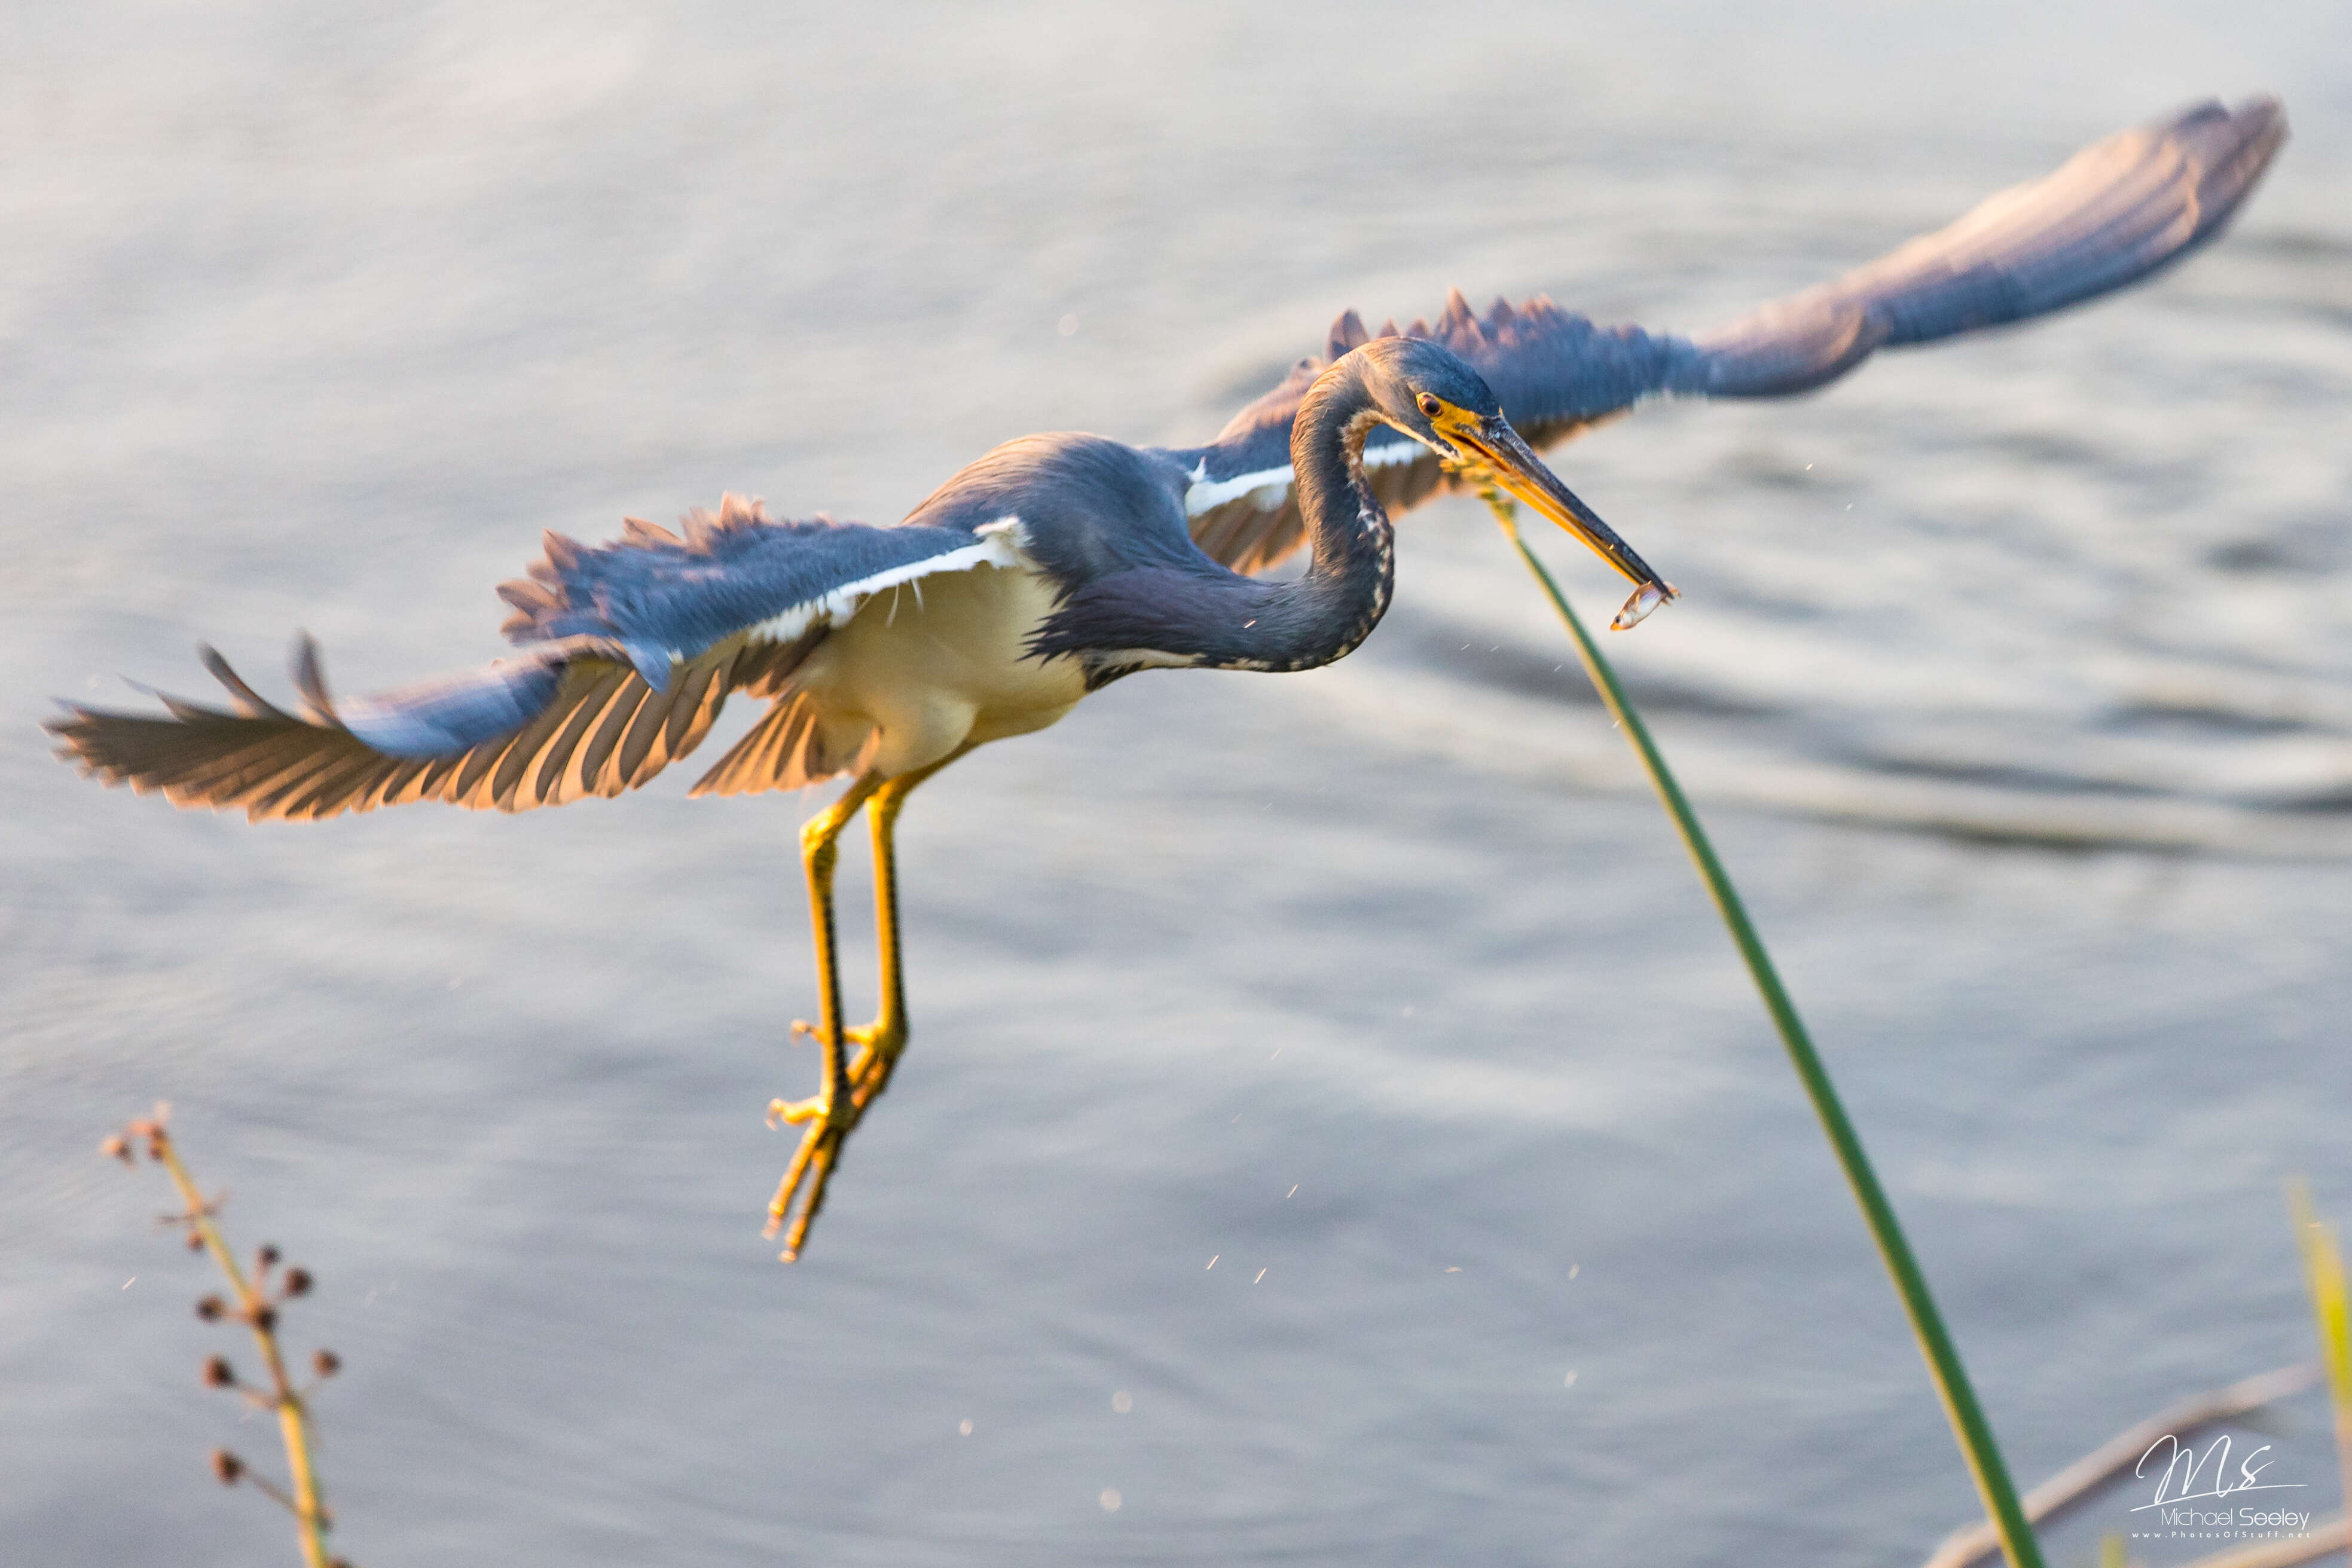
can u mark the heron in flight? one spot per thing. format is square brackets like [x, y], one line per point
[1058, 563]
[1048, 569]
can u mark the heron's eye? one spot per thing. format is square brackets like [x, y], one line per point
[1430, 405]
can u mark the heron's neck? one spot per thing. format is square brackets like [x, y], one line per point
[1347, 586]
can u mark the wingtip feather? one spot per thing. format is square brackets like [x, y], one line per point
[309, 675]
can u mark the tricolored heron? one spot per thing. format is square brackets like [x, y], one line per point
[1058, 563]
[1048, 569]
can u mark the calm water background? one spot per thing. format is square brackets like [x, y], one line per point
[2018, 674]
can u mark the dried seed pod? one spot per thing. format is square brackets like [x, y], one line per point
[298, 1282]
[268, 1255]
[265, 1318]
[326, 1362]
[211, 1308]
[195, 1242]
[226, 1467]
[116, 1148]
[218, 1372]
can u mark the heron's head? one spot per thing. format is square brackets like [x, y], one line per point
[1421, 388]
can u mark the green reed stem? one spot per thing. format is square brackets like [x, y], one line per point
[1969, 1425]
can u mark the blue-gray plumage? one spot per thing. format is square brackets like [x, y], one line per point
[2116, 211]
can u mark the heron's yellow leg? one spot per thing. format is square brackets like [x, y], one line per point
[831, 1114]
[881, 1041]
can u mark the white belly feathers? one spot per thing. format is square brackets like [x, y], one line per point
[940, 663]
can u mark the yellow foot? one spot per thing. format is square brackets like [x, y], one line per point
[878, 1047]
[829, 1126]
[811, 1166]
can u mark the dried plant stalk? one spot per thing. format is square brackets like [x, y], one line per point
[253, 1304]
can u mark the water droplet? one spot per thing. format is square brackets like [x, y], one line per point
[1122, 1402]
[1068, 327]
[964, 1426]
[1111, 1500]
[1571, 1381]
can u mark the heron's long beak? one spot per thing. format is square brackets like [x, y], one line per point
[1518, 470]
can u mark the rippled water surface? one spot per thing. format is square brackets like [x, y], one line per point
[2017, 677]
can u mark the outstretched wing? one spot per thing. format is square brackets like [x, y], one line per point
[2113, 213]
[630, 650]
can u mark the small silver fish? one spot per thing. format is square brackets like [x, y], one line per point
[1646, 598]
